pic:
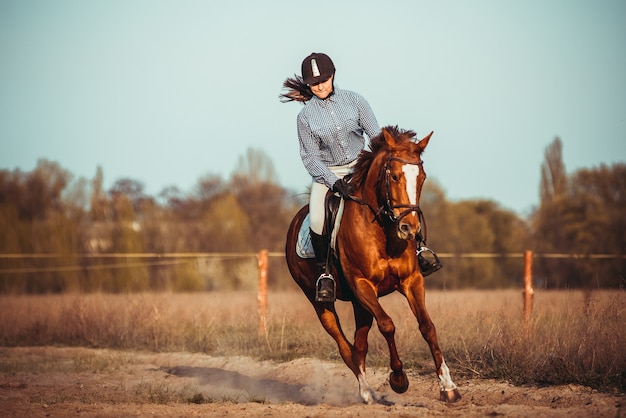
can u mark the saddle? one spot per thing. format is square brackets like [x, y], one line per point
[334, 209]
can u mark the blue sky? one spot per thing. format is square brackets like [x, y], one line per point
[167, 92]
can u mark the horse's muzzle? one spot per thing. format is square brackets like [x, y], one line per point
[407, 230]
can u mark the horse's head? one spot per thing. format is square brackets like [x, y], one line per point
[396, 175]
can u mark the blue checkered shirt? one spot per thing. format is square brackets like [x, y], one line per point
[331, 132]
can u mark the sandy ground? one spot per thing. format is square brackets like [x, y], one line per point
[81, 382]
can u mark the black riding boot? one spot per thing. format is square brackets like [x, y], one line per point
[428, 261]
[325, 284]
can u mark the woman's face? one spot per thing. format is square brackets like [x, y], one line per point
[323, 89]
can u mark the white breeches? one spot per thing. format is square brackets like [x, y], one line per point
[318, 194]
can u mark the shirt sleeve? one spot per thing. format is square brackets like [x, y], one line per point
[311, 155]
[367, 118]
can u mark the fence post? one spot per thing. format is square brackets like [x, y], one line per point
[528, 286]
[262, 292]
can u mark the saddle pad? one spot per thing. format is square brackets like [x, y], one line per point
[304, 247]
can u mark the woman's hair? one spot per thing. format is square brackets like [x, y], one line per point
[297, 90]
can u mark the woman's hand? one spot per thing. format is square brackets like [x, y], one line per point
[344, 188]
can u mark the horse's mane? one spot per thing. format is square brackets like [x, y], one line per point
[378, 145]
[297, 90]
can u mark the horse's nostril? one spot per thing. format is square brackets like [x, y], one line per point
[406, 229]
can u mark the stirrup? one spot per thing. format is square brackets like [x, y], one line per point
[325, 293]
[428, 261]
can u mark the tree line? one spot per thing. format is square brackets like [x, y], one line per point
[46, 211]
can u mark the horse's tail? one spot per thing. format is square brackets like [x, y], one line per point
[297, 90]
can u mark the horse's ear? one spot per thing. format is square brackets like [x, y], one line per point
[389, 139]
[424, 141]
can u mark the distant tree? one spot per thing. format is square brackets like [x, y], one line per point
[44, 188]
[552, 208]
[581, 213]
[126, 238]
[207, 189]
[209, 186]
[601, 193]
[11, 236]
[597, 224]
[76, 200]
[99, 205]
[553, 174]
[266, 203]
[14, 231]
[472, 226]
[255, 167]
[10, 185]
[550, 221]
[470, 233]
[173, 198]
[43, 215]
[36, 193]
[435, 208]
[266, 206]
[228, 226]
[132, 189]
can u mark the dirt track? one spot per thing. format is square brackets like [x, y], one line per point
[88, 383]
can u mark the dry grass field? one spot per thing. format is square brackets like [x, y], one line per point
[202, 354]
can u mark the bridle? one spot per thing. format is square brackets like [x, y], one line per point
[386, 210]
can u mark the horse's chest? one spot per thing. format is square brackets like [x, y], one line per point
[400, 267]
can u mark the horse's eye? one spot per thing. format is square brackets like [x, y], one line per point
[394, 177]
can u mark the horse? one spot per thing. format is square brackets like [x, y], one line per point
[375, 255]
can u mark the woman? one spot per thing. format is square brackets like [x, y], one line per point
[331, 130]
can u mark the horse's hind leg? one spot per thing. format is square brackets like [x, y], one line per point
[363, 320]
[366, 294]
[416, 299]
[330, 321]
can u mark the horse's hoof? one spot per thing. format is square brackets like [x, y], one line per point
[398, 382]
[449, 396]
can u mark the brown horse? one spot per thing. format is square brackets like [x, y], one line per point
[376, 249]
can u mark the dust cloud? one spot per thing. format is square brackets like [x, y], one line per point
[241, 383]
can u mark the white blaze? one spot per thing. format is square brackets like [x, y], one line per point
[411, 171]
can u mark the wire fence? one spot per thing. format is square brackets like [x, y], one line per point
[164, 259]
[131, 260]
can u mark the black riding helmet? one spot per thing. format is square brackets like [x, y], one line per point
[317, 68]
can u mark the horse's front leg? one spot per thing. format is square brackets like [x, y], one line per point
[414, 291]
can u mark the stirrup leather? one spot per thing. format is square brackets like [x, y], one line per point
[428, 261]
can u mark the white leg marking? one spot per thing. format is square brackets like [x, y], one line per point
[367, 393]
[445, 381]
